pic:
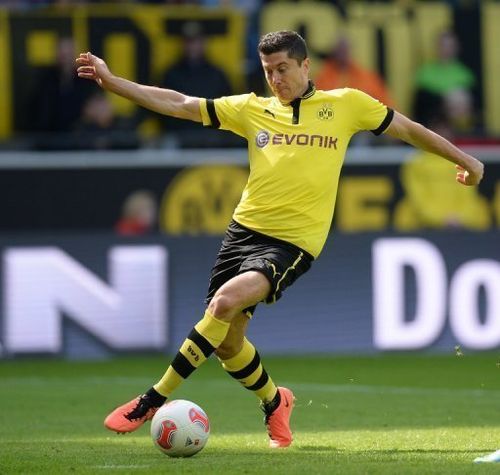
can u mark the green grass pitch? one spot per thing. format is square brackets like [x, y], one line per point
[388, 414]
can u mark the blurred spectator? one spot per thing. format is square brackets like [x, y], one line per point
[139, 214]
[59, 95]
[437, 79]
[185, 76]
[100, 129]
[252, 68]
[170, 2]
[458, 108]
[340, 70]
[433, 201]
[72, 3]
[432, 198]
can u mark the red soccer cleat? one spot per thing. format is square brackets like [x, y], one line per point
[131, 415]
[278, 421]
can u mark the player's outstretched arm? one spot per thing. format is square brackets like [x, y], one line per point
[469, 169]
[163, 101]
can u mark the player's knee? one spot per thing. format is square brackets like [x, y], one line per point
[223, 307]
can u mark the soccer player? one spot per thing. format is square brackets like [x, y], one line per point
[297, 140]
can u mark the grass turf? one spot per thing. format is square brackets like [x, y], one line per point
[389, 414]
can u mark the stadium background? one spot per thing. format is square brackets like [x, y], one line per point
[60, 277]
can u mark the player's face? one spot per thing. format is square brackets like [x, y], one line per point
[286, 77]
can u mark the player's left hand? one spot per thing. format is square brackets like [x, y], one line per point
[470, 177]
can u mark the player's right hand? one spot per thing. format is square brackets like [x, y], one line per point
[92, 67]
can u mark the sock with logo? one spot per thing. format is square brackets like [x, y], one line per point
[247, 368]
[204, 339]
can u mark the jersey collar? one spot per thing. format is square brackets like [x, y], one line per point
[311, 89]
[295, 104]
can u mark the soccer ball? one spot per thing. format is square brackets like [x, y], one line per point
[180, 428]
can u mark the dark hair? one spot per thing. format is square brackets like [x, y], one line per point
[289, 41]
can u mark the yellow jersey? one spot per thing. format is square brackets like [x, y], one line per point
[296, 152]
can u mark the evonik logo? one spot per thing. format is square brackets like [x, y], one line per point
[323, 141]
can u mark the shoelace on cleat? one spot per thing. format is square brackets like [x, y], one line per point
[268, 409]
[140, 410]
[267, 415]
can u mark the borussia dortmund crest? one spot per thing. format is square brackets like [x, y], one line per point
[326, 112]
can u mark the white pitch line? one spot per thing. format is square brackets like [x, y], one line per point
[396, 390]
[375, 390]
[82, 381]
[119, 467]
[299, 386]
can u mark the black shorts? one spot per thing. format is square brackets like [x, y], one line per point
[243, 250]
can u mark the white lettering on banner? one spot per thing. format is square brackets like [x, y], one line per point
[464, 310]
[41, 283]
[391, 329]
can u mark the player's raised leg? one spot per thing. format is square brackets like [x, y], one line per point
[242, 362]
[240, 292]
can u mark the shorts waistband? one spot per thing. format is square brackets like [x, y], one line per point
[271, 238]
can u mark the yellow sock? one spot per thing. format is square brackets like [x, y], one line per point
[248, 370]
[204, 339]
[212, 329]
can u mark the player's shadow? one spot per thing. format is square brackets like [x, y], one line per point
[316, 448]
[325, 448]
[432, 451]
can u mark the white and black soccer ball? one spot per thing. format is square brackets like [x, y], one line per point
[180, 428]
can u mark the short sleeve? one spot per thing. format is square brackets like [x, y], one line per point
[226, 113]
[369, 113]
